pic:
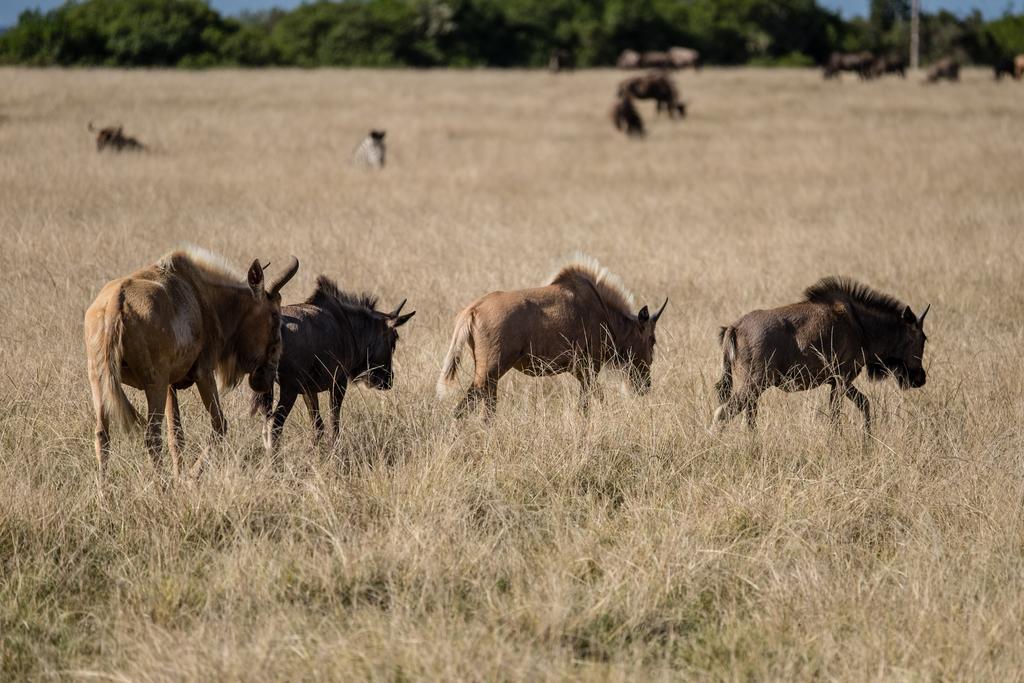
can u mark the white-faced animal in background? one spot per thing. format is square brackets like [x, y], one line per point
[370, 152]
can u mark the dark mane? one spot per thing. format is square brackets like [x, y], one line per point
[832, 288]
[327, 295]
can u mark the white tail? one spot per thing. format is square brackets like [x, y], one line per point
[460, 337]
[105, 352]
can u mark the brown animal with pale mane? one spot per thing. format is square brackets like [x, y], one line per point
[840, 328]
[187, 319]
[579, 322]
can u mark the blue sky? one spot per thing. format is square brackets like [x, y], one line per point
[9, 9]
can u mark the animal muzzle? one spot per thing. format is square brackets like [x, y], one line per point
[381, 379]
[916, 378]
[261, 379]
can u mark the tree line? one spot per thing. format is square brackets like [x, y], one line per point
[496, 33]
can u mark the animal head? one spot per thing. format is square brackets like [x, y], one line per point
[378, 371]
[905, 361]
[378, 135]
[636, 348]
[259, 346]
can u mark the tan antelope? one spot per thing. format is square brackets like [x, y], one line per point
[580, 321]
[840, 328]
[186, 319]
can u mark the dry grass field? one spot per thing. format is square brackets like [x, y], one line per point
[630, 544]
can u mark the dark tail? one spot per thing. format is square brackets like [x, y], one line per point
[727, 339]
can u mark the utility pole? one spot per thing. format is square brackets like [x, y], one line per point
[915, 33]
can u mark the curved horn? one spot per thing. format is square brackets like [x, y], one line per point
[266, 265]
[284, 277]
[920, 321]
[660, 310]
[394, 313]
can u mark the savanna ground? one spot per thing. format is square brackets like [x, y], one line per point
[543, 545]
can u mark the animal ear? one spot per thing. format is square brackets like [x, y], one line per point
[908, 316]
[644, 315]
[401, 320]
[256, 278]
[920, 321]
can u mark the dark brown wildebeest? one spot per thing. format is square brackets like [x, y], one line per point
[859, 62]
[840, 328]
[946, 68]
[113, 137]
[684, 58]
[580, 321]
[329, 340]
[655, 86]
[560, 60]
[626, 118]
[628, 59]
[187, 319]
[1005, 67]
[889, 65]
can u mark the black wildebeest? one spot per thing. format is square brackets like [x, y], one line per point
[187, 319]
[560, 60]
[655, 86]
[626, 118]
[113, 137]
[330, 340]
[946, 68]
[1005, 67]
[889, 65]
[859, 62]
[840, 328]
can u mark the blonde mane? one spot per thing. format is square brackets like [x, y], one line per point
[212, 267]
[609, 285]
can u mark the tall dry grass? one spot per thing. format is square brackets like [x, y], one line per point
[543, 545]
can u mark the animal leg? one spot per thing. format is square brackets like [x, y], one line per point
[469, 402]
[337, 396]
[835, 400]
[284, 406]
[211, 399]
[589, 388]
[175, 433]
[312, 402]
[156, 399]
[750, 409]
[861, 401]
[102, 429]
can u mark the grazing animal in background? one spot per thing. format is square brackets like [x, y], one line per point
[1018, 66]
[1005, 67]
[113, 138]
[655, 59]
[858, 62]
[628, 59]
[655, 86]
[840, 328]
[187, 319]
[580, 321]
[371, 151]
[329, 340]
[684, 58]
[626, 118]
[560, 60]
[946, 68]
[889, 65]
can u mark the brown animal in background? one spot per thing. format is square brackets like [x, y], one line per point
[187, 319]
[114, 138]
[1004, 67]
[655, 59]
[626, 118]
[1018, 66]
[840, 328]
[560, 60]
[889, 65]
[684, 58]
[946, 68]
[658, 87]
[579, 322]
[628, 59]
[859, 62]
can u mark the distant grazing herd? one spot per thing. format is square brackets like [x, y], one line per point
[189, 319]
